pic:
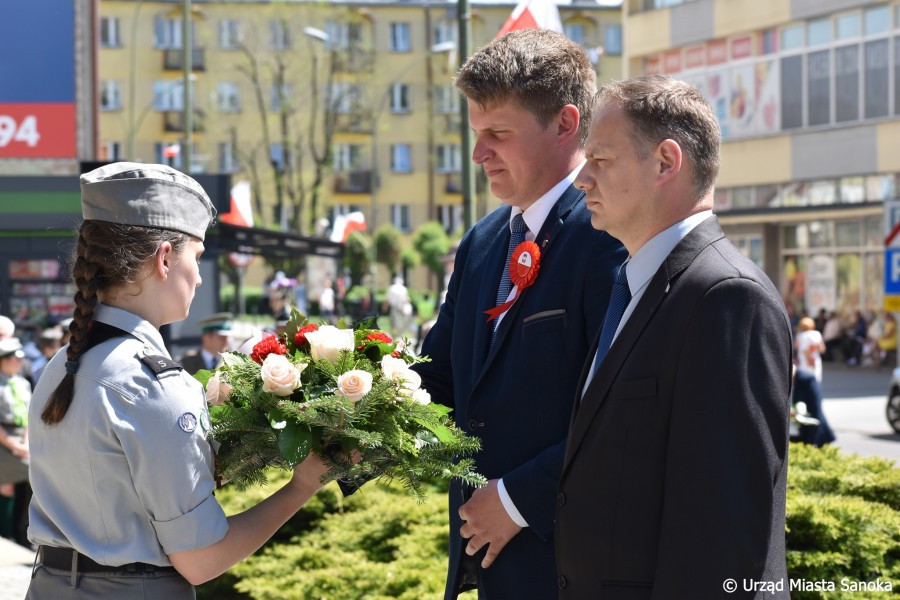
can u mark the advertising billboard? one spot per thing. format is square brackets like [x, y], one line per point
[37, 80]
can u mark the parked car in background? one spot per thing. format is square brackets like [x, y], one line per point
[893, 403]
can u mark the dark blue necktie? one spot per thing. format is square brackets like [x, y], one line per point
[618, 300]
[516, 237]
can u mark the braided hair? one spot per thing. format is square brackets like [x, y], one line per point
[107, 256]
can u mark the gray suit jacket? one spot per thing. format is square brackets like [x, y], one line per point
[675, 471]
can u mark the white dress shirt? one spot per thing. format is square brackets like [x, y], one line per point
[534, 217]
[644, 265]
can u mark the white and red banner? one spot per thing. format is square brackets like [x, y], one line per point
[241, 213]
[344, 225]
[533, 14]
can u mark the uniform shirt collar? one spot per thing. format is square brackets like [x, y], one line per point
[535, 215]
[133, 324]
[648, 258]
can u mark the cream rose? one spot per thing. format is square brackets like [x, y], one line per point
[328, 341]
[279, 375]
[354, 384]
[217, 391]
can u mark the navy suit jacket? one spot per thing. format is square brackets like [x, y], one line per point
[517, 395]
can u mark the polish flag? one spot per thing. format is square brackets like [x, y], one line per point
[533, 14]
[241, 213]
[172, 150]
[344, 225]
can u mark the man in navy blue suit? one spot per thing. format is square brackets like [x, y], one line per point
[511, 379]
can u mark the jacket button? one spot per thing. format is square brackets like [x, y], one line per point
[563, 584]
[473, 424]
[561, 499]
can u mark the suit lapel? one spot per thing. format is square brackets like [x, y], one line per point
[487, 290]
[544, 239]
[675, 263]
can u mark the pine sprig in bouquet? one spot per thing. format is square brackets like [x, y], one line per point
[332, 390]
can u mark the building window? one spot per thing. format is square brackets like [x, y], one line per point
[846, 81]
[818, 73]
[343, 36]
[400, 37]
[346, 98]
[819, 31]
[848, 26]
[792, 37]
[168, 95]
[401, 158]
[229, 97]
[109, 32]
[347, 157]
[445, 31]
[110, 95]
[448, 158]
[400, 217]
[612, 39]
[227, 160]
[399, 98]
[279, 35]
[446, 100]
[111, 151]
[277, 94]
[450, 216]
[229, 34]
[167, 33]
[575, 32]
[878, 19]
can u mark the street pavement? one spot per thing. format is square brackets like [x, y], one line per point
[855, 400]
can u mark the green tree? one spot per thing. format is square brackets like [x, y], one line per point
[388, 247]
[358, 256]
[432, 244]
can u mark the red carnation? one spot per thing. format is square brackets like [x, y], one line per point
[300, 338]
[380, 336]
[269, 345]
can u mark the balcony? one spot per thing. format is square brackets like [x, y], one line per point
[453, 183]
[353, 182]
[360, 121]
[173, 59]
[448, 122]
[354, 60]
[173, 121]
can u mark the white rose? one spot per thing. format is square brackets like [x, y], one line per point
[421, 396]
[279, 375]
[328, 341]
[354, 384]
[396, 369]
[217, 391]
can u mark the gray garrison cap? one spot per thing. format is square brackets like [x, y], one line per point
[146, 195]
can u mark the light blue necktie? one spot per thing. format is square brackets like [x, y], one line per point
[516, 237]
[618, 300]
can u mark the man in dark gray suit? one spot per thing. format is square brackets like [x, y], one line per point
[674, 477]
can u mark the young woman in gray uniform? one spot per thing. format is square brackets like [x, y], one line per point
[121, 469]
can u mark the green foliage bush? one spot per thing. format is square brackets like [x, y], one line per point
[843, 521]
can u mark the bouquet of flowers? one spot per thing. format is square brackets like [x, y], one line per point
[332, 390]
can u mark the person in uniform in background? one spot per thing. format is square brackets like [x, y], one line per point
[8, 330]
[49, 344]
[15, 395]
[121, 468]
[215, 330]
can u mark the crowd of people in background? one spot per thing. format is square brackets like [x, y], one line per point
[859, 341]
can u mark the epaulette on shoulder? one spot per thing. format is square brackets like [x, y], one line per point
[160, 364]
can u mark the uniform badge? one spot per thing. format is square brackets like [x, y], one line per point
[187, 422]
